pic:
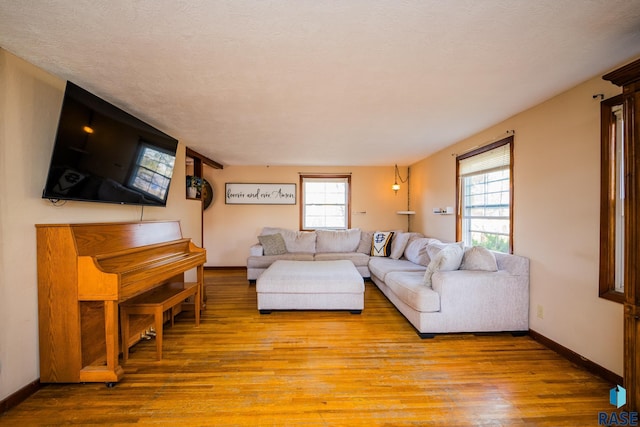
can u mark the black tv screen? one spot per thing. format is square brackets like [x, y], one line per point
[104, 154]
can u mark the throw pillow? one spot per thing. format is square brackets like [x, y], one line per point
[416, 251]
[365, 242]
[273, 244]
[479, 258]
[447, 259]
[398, 244]
[434, 247]
[381, 243]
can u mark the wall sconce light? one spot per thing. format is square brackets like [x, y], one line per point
[395, 187]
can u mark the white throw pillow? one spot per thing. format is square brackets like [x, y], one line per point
[434, 247]
[479, 258]
[381, 243]
[447, 259]
[398, 244]
[416, 250]
[337, 240]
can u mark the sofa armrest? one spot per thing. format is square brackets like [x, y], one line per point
[513, 264]
[497, 300]
[256, 250]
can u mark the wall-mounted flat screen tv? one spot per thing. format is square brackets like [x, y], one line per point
[104, 154]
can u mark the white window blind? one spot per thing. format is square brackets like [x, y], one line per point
[485, 198]
[491, 160]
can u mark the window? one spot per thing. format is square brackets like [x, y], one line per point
[485, 196]
[612, 199]
[325, 201]
[152, 171]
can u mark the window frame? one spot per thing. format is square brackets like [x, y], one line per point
[347, 177]
[608, 177]
[459, 217]
[137, 166]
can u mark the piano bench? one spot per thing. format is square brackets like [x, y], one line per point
[156, 301]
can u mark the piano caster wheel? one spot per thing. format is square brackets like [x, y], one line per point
[110, 385]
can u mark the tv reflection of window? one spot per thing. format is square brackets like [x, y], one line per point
[152, 171]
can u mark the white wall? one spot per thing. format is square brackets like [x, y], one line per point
[556, 216]
[30, 102]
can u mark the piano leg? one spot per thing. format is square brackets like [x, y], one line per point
[200, 279]
[124, 325]
[111, 334]
[112, 372]
[198, 302]
[158, 316]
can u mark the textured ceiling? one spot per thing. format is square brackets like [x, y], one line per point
[306, 82]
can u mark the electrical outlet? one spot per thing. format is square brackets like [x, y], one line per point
[540, 312]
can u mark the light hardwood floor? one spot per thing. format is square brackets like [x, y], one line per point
[327, 369]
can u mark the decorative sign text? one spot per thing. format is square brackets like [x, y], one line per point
[260, 194]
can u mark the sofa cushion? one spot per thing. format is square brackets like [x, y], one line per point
[478, 258]
[408, 286]
[295, 241]
[358, 259]
[273, 244]
[267, 260]
[416, 250]
[365, 242]
[398, 244]
[337, 240]
[381, 243]
[446, 259]
[380, 266]
[434, 247]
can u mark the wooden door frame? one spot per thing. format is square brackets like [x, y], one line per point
[628, 77]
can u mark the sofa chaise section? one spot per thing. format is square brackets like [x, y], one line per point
[461, 300]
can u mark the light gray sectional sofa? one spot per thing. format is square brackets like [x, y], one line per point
[439, 287]
[320, 245]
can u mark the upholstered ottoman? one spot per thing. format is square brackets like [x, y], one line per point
[310, 285]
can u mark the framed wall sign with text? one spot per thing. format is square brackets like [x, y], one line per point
[259, 194]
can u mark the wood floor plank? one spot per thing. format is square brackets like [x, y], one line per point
[324, 368]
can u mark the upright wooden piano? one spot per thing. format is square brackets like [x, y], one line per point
[84, 272]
